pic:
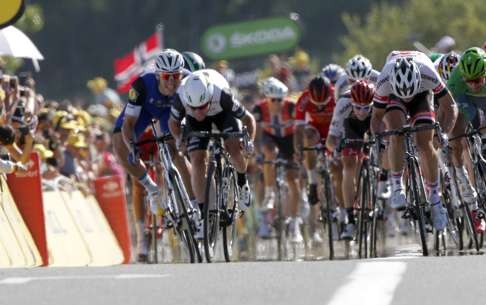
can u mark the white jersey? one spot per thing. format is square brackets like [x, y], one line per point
[343, 84]
[431, 79]
[342, 110]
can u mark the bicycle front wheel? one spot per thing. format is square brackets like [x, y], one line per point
[229, 200]
[211, 212]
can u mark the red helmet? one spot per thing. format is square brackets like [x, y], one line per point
[362, 92]
[320, 89]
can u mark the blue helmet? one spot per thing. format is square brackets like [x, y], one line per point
[333, 72]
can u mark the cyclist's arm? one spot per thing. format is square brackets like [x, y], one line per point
[249, 121]
[332, 142]
[136, 97]
[447, 112]
[230, 104]
[177, 113]
[300, 122]
[257, 114]
[341, 111]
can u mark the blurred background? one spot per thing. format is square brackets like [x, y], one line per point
[80, 39]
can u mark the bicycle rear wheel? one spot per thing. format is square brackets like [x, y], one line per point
[211, 212]
[229, 203]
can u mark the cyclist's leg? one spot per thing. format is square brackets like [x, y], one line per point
[138, 207]
[395, 118]
[311, 138]
[269, 154]
[461, 155]
[350, 166]
[121, 152]
[228, 123]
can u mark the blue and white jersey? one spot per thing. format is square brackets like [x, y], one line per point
[145, 102]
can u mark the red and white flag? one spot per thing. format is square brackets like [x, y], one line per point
[129, 67]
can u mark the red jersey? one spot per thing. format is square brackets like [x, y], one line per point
[318, 116]
[279, 124]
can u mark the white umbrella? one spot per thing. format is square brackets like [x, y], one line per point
[16, 44]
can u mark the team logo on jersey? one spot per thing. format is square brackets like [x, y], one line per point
[132, 94]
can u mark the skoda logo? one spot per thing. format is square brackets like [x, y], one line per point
[216, 43]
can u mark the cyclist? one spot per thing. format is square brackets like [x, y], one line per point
[333, 72]
[192, 61]
[275, 131]
[358, 67]
[406, 86]
[204, 99]
[446, 63]
[312, 120]
[468, 86]
[150, 97]
[351, 120]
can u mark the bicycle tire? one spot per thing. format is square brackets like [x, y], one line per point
[419, 201]
[185, 225]
[280, 226]
[363, 205]
[229, 224]
[211, 217]
[327, 197]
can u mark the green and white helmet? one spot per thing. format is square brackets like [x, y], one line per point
[472, 63]
[193, 61]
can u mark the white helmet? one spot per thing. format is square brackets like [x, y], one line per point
[274, 88]
[358, 67]
[169, 60]
[405, 78]
[197, 90]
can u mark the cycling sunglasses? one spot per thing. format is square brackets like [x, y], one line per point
[278, 100]
[172, 75]
[476, 81]
[202, 107]
[362, 107]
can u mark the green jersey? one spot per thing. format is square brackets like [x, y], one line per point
[469, 102]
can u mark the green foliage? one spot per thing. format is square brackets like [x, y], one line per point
[389, 27]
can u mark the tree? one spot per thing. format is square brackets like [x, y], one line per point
[390, 27]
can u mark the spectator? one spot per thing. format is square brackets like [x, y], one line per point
[301, 70]
[104, 95]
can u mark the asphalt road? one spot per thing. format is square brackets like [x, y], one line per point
[405, 279]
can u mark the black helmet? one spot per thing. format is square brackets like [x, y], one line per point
[193, 61]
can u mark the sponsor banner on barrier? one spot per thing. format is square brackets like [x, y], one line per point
[26, 189]
[110, 193]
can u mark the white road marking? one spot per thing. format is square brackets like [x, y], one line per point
[128, 276]
[371, 283]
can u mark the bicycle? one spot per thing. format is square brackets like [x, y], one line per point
[221, 194]
[326, 199]
[479, 181]
[179, 211]
[415, 189]
[370, 209]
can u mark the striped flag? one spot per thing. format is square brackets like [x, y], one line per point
[130, 66]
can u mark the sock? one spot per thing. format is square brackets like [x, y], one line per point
[312, 177]
[433, 192]
[396, 178]
[148, 183]
[384, 175]
[350, 212]
[241, 179]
